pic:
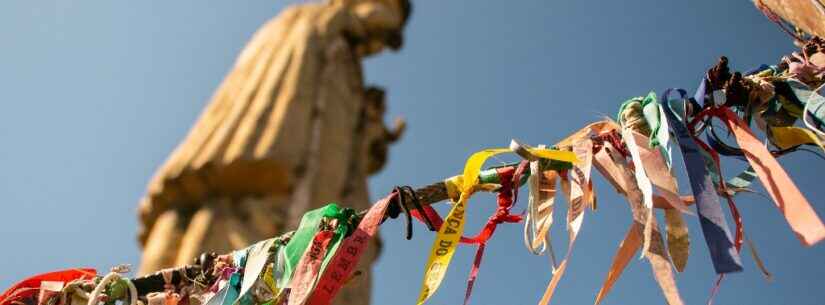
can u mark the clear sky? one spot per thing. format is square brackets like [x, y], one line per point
[95, 94]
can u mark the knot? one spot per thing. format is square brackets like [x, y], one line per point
[508, 194]
[736, 92]
[506, 197]
[760, 89]
[403, 195]
[719, 74]
[503, 215]
[632, 116]
[499, 216]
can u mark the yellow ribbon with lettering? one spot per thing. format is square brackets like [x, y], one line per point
[448, 236]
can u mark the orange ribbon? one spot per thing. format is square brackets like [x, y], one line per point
[786, 196]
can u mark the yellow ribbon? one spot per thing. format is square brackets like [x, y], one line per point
[453, 186]
[558, 155]
[787, 137]
[449, 235]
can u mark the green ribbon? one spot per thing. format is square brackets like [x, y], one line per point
[743, 180]
[117, 291]
[310, 225]
[659, 126]
[234, 287]
[655, 119]
[342, 230]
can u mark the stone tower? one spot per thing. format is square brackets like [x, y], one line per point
[291, 128]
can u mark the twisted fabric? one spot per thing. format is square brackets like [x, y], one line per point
[506, 198]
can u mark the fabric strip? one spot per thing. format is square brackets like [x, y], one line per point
[578, 200]
[309, 267]
[449, 234]
[678, 240]
[786, 196]
[643, 183]
[630, 244]
[656, 255]
[346, 259]
[714, 226]
[575, 217]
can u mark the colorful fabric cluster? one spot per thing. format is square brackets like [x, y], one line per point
[634, 154]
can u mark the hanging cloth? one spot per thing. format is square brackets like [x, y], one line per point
[610, 161]
[506, 198]
[345, 260]
[799, 214]
[678, 240]
[578, 201]
[229, 292]
[257, 258]
[723, 253]
[307, 229]
[333, 227]
[655, 120]
[448, 235]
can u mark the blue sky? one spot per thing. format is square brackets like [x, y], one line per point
[95, 94]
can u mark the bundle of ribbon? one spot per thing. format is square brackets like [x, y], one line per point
[633, 153]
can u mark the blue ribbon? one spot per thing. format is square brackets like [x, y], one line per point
[229, 293]
[714, 226]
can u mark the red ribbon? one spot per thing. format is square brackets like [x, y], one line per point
[346, 258]
[309, 267]
[435, 220]
[30, 286]
[506, 198]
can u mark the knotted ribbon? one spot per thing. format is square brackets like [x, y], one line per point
[449, 235]
[318, 254]
[506, 198]
[353, 247]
